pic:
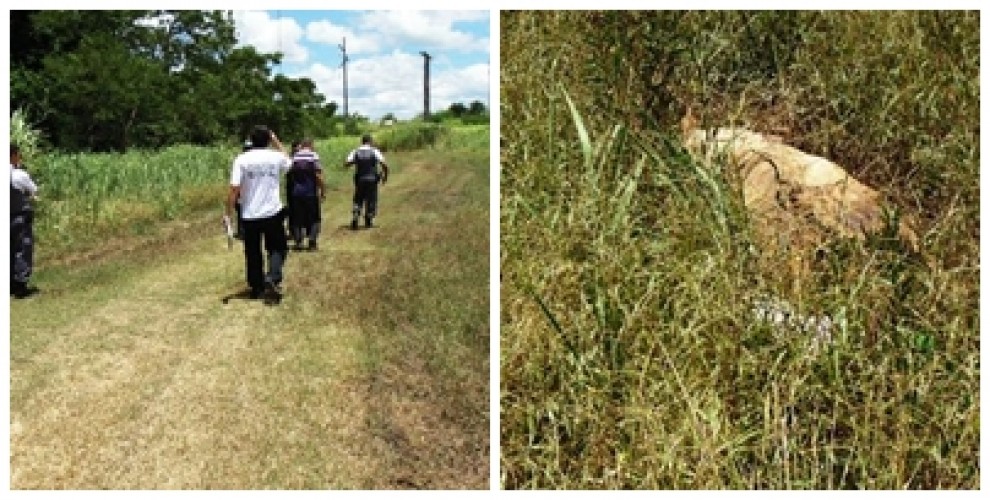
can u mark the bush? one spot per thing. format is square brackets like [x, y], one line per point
[409, 136]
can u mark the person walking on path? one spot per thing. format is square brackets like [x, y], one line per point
[254, 180]
[366, 159]
[306, 192]
[23, 192]
[290, 219]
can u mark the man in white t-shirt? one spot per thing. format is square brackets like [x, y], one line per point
[254, 180]
[23, 192]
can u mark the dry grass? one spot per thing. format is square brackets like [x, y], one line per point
[631, 353]
[134, 374]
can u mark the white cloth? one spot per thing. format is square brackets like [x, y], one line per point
[21, 181]
[378, 154]
[257, 173]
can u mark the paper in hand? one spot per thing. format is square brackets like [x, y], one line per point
[229, 229]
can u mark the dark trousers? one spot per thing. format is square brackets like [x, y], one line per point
[365, 195]
[304, 215]
[21, 247]
[272, 231]
[239, 229]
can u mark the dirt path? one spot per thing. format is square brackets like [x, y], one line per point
[145, 378]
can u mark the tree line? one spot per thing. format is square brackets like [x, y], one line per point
[114, 80]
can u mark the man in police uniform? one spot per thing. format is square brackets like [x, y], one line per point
[366, 159]
[22, 192]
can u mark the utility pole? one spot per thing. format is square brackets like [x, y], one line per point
[343, 49]
[426, 84]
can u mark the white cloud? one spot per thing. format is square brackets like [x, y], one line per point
[460, 85]
[266, 34]
[385, 72]
[393, 83]
[429, 29]
[326, 32]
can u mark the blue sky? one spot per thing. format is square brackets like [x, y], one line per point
[385, 68]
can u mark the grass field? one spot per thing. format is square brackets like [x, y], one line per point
[129, 371]
[632, 355]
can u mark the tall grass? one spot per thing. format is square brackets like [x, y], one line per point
[24, 135]
[87, 199]
[466, 138]
[632, 356]
[409, 136]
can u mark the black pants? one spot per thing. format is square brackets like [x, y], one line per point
[272, 231]
[239, 229]
[304, 215]
[365, 195]
[21, 247]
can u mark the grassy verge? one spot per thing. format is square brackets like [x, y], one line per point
[430, 312]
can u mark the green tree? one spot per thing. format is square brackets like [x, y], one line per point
[457, 109]
[477, 108]
[111, 80]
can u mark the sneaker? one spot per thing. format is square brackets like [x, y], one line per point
[354, 224]
[273, 293]
[256, 294]
[367, 222]
[312, 246]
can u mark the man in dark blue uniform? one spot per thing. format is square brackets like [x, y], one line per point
[366, 160]
[22, 192]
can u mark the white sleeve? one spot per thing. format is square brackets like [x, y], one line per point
[350, 156]
[235, 174]
[20, 180]
[286, 163]
[379, 157]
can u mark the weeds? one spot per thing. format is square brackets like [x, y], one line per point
[631, 354]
